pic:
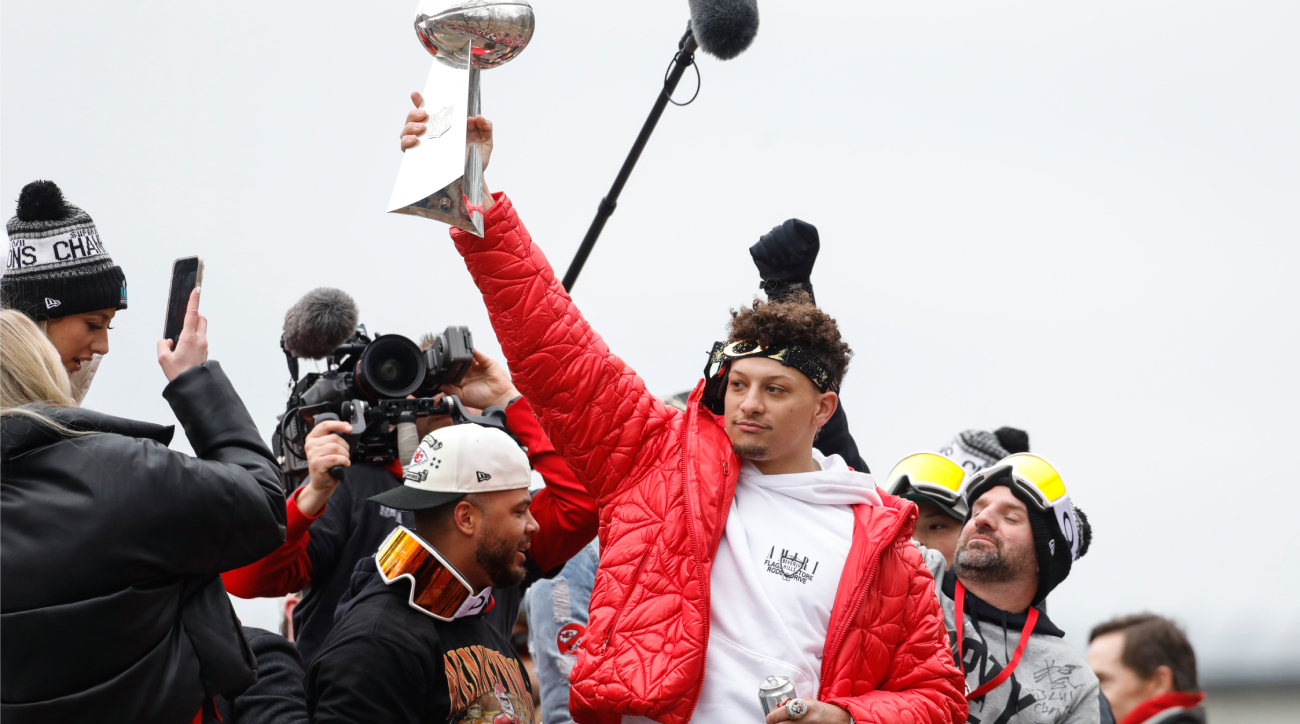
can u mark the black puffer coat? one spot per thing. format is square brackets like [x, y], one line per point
[111, 545]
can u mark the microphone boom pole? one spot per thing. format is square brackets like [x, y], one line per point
[684, 59]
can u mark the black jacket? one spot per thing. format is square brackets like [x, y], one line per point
[277, 697]
[387, 662]
[111, 546]
[350, 529]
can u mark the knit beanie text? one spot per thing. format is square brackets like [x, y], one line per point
[56, 264]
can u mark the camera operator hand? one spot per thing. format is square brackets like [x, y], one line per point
[479, 130]
[191, 347]
[486, 384]
[324, 450]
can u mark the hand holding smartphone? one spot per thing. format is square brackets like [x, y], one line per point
[187, 273]
[182, 346]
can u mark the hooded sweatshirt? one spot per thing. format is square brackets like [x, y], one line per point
[1052, 682]
[774, 581]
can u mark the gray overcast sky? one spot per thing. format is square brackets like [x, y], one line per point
[1076, 218]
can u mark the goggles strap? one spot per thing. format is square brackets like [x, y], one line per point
[474, 604]
[1031, 618]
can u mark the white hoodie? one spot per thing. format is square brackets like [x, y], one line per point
[774, 580]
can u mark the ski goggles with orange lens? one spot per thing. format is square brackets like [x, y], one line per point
[930, 475]
[1040, 482]
[437, 588]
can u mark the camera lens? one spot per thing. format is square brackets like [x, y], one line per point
[389, 370]
[391, 367]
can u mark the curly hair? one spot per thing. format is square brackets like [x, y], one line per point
[793, 319]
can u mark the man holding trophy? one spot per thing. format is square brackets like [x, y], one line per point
[731, 550]
[814, 576]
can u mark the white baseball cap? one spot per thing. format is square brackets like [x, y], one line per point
[456, 461]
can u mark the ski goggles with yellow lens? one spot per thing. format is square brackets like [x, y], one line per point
[1040, 483]
[930, 476]
[437, 588]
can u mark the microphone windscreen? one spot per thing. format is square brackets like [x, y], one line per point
[724, 28]
[319, 322]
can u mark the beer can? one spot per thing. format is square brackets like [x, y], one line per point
[774, 692]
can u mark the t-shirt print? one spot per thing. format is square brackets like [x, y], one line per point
[790, 565]
[486, 687]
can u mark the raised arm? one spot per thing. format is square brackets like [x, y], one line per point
[592, 406]
[785, 257]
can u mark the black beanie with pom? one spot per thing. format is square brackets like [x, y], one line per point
[1012, 440]
[57, 265]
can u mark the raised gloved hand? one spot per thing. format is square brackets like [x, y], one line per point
[785, 257]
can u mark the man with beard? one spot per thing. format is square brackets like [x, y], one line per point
[722, 530]
[413, 644]
[1019, 540]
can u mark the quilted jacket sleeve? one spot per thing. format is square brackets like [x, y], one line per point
[594, 409]
[923, 685]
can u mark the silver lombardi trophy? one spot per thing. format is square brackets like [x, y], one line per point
[438, 179]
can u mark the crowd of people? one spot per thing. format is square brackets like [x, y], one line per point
[684, 555]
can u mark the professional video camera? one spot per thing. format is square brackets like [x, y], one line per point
[373, 384]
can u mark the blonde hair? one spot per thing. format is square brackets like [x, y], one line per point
[31, 374]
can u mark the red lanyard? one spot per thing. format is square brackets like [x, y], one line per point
[1031, 618]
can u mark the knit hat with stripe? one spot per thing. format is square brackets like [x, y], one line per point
[56, 264]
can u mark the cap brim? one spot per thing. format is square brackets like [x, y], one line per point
[404, 497]
[948, 509]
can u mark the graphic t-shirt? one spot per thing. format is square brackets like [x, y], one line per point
[485, 686]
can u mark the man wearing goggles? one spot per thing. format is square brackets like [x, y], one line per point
[933, 481]
[1019, 540]
[728, 497]
[332, 524]
[413, 644]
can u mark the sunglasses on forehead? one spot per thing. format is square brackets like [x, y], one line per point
[437, 588]
[718, 369]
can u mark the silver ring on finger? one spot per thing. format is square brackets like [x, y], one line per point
[796, 708]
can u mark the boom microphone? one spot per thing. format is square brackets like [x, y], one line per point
[724, 28]
[319, 322]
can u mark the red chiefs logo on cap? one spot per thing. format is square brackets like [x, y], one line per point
[420, 457]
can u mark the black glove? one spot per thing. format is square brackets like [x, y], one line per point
[785, 257]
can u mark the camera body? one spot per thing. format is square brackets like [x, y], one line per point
[367, 383]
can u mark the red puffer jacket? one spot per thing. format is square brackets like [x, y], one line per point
[664, 482]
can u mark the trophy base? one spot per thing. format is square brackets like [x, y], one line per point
[448, 206]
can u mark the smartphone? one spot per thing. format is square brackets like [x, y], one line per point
[187, 273]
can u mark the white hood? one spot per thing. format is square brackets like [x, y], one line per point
[835, 484]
